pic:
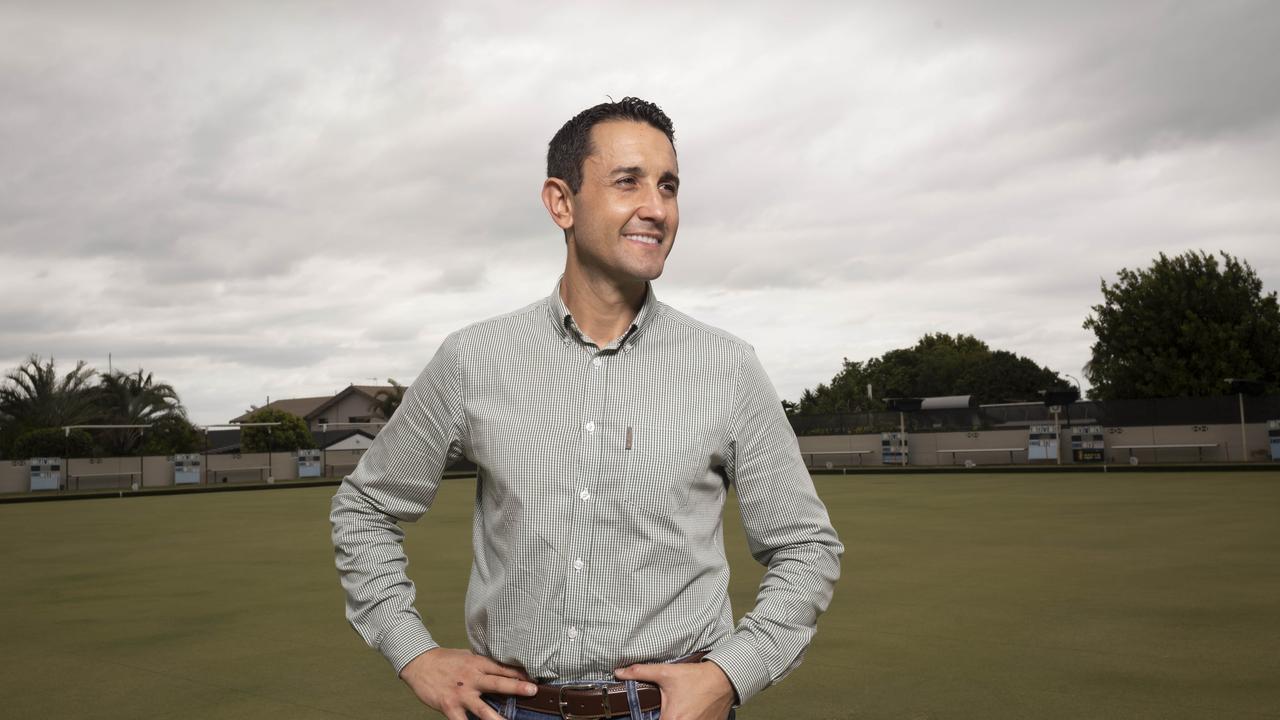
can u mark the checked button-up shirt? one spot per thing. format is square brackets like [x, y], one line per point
[602, 474]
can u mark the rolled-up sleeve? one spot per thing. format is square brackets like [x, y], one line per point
[396, 481]
[788, 531]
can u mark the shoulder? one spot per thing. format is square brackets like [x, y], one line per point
[688, 329]
[506, 325]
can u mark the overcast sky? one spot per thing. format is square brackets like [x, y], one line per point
[253, 199]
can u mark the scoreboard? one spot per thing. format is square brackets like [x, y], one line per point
[46, 473]
[186, 469]
[1042, 443]
[893, 448]
[1088, 444]
[309, 463]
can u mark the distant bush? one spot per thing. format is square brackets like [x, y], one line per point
[172, 435]
[52, 442]
[291, 434]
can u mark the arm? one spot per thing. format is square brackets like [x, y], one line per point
[788, 531]
[396, 481]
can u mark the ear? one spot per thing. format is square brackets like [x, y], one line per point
[559, 201]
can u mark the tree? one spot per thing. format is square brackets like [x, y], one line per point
[388, 401]
[938, 364]
[132, 399]
[171, 435]
[1181, 327]
[291, 434]
[53, 442]
[34, 396]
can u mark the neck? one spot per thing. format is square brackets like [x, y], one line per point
[602, 307]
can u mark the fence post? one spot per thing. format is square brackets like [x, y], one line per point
[1244, 438]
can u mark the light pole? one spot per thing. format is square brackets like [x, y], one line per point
[1241, 387]
[204, 460]
[1079, 393]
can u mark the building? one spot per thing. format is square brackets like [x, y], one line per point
[347, 421]
[354, 405]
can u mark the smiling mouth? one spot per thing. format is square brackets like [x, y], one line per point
[646, 239]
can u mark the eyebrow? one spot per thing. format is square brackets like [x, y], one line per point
[667, 176]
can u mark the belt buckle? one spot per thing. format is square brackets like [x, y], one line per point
[563, 704]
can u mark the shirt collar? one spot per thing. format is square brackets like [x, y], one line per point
[568, 328]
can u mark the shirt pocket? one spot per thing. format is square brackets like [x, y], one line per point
[660, 465]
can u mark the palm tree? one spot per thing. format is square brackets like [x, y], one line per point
[388, 401]
[133, 399]
[33, 397]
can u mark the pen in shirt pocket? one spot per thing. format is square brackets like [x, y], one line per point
[628, 447]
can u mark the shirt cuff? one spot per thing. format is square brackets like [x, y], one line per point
[406, 641]
[737, 657]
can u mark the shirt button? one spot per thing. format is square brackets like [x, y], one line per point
[578, 564]
[584, 495]
[573, 632]
[591, 426]
[596, 362]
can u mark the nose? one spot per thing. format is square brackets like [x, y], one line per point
[653, 206]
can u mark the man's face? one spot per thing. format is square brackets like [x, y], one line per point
[625, 215]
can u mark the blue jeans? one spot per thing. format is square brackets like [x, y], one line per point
[509, 710]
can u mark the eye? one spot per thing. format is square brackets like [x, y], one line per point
[669, 187]
[626, 180]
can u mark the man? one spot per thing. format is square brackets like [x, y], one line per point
[606, 428]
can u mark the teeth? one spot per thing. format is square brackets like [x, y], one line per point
[642, 238]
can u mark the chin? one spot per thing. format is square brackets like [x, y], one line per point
[648, 274]
[648, 270]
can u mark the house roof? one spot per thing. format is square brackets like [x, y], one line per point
[368, 391]
[333, 437]
[310, 408]
[302, 407]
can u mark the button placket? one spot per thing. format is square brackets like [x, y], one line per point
[577, 607]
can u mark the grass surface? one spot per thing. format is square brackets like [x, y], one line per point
[971, 596]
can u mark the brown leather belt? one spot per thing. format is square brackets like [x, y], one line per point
[592, 700]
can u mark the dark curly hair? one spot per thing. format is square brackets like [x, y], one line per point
[572, 144]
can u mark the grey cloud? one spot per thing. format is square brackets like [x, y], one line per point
[22, 320]
[1135, 77]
